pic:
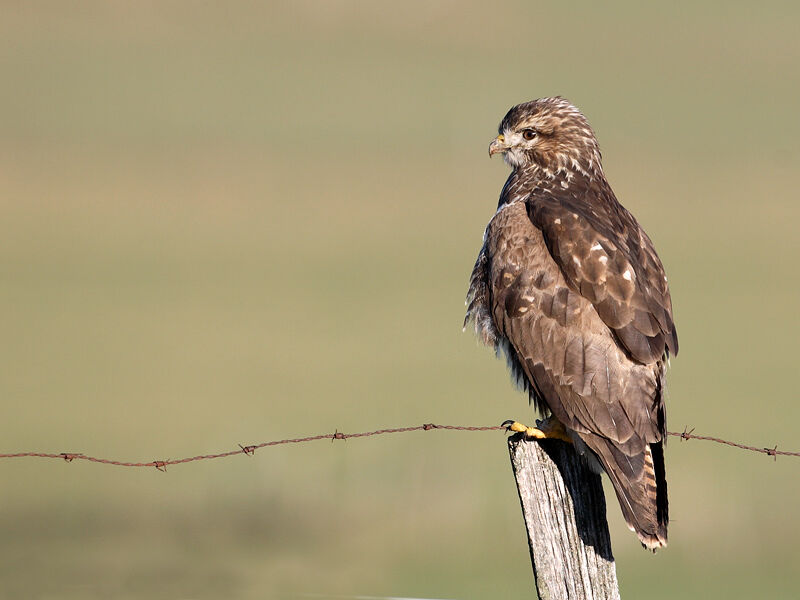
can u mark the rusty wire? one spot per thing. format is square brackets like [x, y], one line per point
[250, 449]
[687, 434]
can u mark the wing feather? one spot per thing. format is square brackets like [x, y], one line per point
[607, 258]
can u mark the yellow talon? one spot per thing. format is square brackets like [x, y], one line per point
[547, 429]
[530, 432]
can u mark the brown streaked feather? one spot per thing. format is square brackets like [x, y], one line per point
[605, 255]
[478, 302]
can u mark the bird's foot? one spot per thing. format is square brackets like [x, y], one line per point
[546, 429]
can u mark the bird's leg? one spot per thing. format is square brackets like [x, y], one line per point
[546, 429]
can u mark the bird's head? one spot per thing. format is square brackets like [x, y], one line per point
[549, 132]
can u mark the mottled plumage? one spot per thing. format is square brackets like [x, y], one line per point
[570, 288]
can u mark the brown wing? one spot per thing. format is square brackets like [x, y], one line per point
[606, 256]
[563, 345]
[571, 357]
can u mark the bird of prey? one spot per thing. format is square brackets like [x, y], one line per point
[570, 288]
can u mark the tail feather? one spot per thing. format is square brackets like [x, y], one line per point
[642, 494]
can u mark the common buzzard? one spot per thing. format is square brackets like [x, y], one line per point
[570, 288]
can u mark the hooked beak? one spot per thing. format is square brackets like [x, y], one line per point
[498, 145]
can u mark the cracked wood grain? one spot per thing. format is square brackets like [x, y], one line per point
[565, 516]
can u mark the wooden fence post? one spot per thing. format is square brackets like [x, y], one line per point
[565, 515]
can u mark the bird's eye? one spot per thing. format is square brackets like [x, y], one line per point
[528, 134]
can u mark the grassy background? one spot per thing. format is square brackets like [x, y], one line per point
[238, 222]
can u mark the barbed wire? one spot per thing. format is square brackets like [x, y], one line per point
[687, 434]
[249, 450]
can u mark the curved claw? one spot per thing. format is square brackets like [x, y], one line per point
[550, 428]
[516, 427]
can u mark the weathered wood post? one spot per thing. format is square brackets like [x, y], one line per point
[565, 515]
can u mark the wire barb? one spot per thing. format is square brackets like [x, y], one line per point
[773, 452]
[249, 450]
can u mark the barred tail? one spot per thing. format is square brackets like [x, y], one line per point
[641, 487]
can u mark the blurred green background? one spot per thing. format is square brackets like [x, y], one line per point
[233, 222]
